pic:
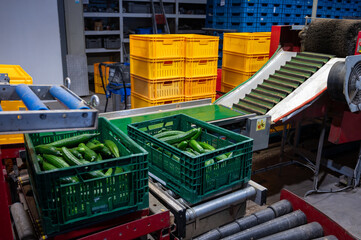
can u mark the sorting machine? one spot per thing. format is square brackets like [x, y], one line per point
[289, 85]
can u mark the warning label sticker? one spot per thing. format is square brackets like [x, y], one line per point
[261, 124]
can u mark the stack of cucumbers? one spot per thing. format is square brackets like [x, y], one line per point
[77, 150]
[188, 142]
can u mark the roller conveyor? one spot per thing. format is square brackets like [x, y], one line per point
[77, 114]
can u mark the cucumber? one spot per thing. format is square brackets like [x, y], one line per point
[208, 162]
[69, 157]
[39, 158]
[56, 161]
[195, 146]
[89, 154]
[206, 146]
[109, 172]
[99, 157]
[73, 141]
[113, 147]
[95, 147]
[76, 153]
[105, 151]
[197, 134]
[182, 145]
[44, 149]
[190, 152]
[167, 134]
[180, 137]
[93, 174]
[221, 157]
[118, 170]
[48, 167]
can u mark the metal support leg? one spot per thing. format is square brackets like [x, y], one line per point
[357, 172]
[318, 157]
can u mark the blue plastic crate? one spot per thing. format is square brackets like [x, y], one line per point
[242, 26]
[219, 25]
[293, 2]
[216, 19]
[250, 4]
[217, 11]
[143, 30]
[233, 14]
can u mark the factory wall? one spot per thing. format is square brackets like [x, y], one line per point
[30, 38]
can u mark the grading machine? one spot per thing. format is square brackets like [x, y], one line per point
[323, 80]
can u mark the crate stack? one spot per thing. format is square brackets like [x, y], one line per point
[201, 60]
[172, 68]
[98, 85]
[261, 15]
[243, 55]
[156, 69]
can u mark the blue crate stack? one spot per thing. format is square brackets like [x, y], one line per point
[261, 15]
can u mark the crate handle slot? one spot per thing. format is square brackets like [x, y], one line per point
[261, 41]
[202, 62]
[167, 42]
[168, 102]
[168, 83]
[202, 81]
[168, 63]
[260, 58]
[203, 42]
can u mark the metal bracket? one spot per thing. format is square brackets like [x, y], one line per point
[4, 78]
[261, 193]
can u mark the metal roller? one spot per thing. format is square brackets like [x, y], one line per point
[276, 225]
[304, 232]
[67, 98]
[219, 204]
[275, 210]
[22, 222]
[330, 237]
[29, 98]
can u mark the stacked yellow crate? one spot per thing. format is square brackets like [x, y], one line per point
[201, 56]
[243, 55]
[157, 69]
[17, 76]
[98, 85]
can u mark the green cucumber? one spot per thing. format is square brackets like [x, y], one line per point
[69, 157]
[182, 145]
[221, 157]
[45, 149]
[180, 137]
[109, 172]
[196, 136]
[56, 161]
[167, 134]
[99, 157]
[195, 146]
[95, 147]
[93, 174]
[118, 170]
[76, 153]
[48, 167]
[89, 154]
[73, 141]
[206, 146]
[104, 151]
[208, 162]
[39, 158]
[113, 147]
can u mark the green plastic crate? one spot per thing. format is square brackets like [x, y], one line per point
[63, 207]
[189, 177]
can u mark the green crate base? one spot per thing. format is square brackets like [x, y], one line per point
[189, 177]
[64, 207]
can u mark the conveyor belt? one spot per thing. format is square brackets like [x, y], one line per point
[204, 113]
[283, 82]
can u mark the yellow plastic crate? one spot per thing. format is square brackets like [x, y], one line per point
[16, 74]
[139, 102]
[233, 77]
[156, 46]
[200, 46]
[199, 86]
[157, 89]
[226, 87]
[12, 138]
[105, 72]
[247, 43]
[213, 96]
[242, 62]
[98, 88]
[201, 67]
[157, 68]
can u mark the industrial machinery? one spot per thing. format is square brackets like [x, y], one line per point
[118, 87]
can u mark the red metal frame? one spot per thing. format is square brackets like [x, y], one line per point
[343, 128]
[286, 38]
[11, 150]
[5, 226]
[329, 226]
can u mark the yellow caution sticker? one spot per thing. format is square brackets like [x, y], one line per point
[261, 124]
